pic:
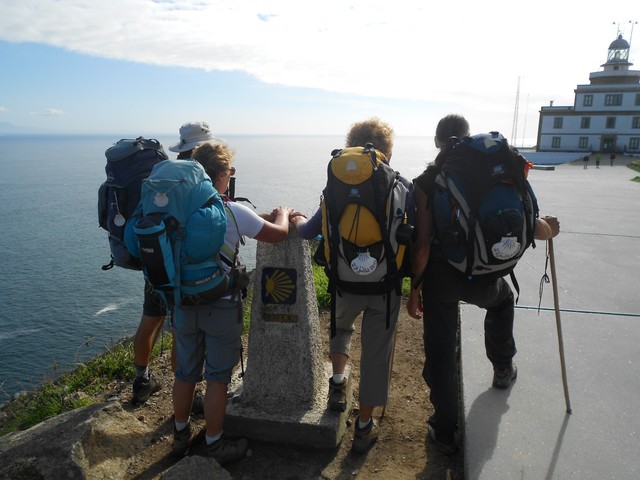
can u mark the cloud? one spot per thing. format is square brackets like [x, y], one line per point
[406, 49]
[49, 112]
[4, 109]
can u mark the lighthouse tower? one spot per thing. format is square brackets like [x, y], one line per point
[605, 116]
[616, 69]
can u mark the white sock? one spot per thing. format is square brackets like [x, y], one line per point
[338, 377]
[181, 425]
[363, 425]
[215, 438]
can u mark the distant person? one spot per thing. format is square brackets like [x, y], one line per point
[192, 134]
[442, 288]
[598, 161]
[585, 161]
[377, 337]
[612, 157]
[210, 335]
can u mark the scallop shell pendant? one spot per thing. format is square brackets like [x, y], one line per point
[161, 199]
[119, 220]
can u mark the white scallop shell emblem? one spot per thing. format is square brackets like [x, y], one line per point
[364, 264]
[161, 199]
[506, 248]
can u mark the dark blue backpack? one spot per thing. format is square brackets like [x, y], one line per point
[129, 162]
[484, 208]
[177, 232]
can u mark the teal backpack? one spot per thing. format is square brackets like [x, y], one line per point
[177, 232]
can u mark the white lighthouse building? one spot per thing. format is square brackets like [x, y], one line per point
[605, 116]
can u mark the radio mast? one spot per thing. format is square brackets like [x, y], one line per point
[514, 128]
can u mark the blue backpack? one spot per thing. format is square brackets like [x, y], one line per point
[484, 208]
[129, 162]
[177, 232]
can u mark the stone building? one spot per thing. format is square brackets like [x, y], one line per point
[605, 115]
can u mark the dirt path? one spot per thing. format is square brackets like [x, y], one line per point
[402, 451]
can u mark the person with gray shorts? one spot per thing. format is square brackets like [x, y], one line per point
[154, 312]
[210, 335]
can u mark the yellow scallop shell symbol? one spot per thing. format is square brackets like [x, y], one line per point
[279, 286]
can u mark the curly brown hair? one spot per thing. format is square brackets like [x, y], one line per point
[215, 157]
[374, 131]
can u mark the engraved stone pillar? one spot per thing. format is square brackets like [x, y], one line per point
[283, 395]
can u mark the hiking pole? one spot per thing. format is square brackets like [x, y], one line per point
[556, 306]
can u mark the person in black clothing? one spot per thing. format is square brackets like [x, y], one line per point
[437, 290]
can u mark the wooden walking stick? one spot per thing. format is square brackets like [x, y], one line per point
[556, 306]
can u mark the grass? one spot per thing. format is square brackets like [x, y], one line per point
[635, 165]
[88, 380]
[63, 394]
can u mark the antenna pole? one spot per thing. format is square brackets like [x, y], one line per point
[514, 128]
[524, 128]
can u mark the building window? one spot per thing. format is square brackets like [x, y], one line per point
[585, 122]
[634, 143]
[557, 122]
[555, 142]
[635, 122]
[611, 122]
[613, 100]
[588, 100]
[583, 142]
[637, 99]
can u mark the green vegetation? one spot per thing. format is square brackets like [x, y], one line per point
[63, 394]
[321, 282]
[635, 165]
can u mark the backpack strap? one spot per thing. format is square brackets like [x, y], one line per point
[516, 286]
[177, 251]
[229, 256]
[392, 278]
[334, 242]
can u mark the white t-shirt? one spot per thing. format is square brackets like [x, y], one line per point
[241, 222]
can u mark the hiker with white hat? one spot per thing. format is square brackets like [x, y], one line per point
[192, 134]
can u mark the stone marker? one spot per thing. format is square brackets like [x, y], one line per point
[283, 395]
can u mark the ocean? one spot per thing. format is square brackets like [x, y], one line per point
[57, 307]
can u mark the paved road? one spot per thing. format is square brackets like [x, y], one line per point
[525, 432]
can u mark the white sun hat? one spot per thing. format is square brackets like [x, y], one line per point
[192, 134]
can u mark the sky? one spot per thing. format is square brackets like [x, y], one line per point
[297, 66]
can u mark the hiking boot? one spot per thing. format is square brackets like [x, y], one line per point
[226, 450]
[365, 437]
[502, 377]
[142, 389]
[337, 396]
[445, 447]
[181, 441]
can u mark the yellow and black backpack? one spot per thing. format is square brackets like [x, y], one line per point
[363, 217]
